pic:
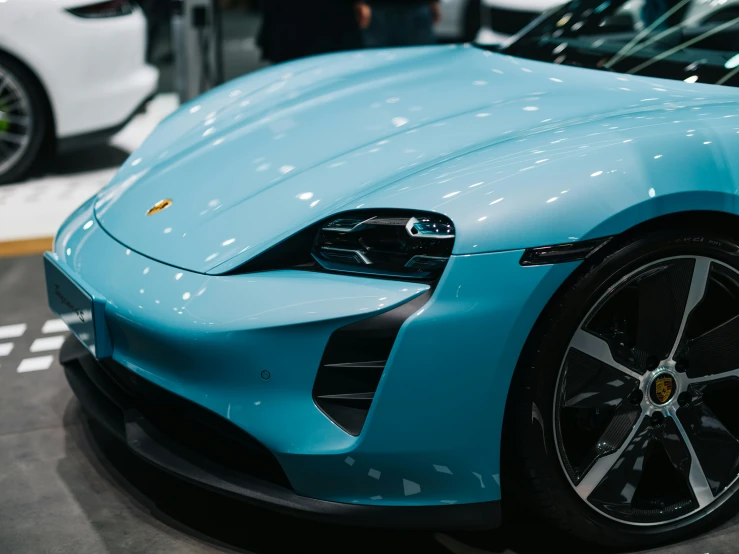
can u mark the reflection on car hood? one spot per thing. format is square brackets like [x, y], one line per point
[258, 159]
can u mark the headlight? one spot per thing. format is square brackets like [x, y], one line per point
[384, 243]
[416, 247]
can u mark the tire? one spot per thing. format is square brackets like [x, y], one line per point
[23, 95]
[562, 399]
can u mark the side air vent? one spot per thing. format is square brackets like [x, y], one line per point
[353, 363]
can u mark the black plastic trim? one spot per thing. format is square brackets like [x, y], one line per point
[358, 396]
[350, 370]
[561, 253]
[133, 429]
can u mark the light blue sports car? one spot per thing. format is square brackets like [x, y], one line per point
[396, 287]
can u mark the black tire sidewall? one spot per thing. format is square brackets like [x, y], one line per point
[536, 379]
[40, 120]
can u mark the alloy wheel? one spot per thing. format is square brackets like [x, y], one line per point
[16, 121]
[645, 418]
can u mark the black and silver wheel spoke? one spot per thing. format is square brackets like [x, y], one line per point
[684, 459]
[612, 482]
[698, 282]
[663, 302]
[13, 138]
[597, 472]
[599, 349]
[714, 447]
[618, 430]
[595, 397]
[715, 354]
[643, 320]
[593, 382]
[21, 120]
[16, 121]
[616, 483]
[11, 103]
[640, 434]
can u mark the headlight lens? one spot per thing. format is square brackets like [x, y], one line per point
[414, 246]
[382, 243]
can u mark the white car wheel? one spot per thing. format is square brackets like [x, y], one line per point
[22, 121]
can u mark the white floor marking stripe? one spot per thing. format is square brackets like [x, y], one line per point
[35, 364]
[12, 331]
[54, 326]
[47, 343]
[6, 348]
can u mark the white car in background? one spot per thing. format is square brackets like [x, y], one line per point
[501, 19]
[72, 73]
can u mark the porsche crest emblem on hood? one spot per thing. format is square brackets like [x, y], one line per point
[159, 206]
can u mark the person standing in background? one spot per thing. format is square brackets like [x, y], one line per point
[663, 14]
[158, 15]
[294, 28]
[401, 23]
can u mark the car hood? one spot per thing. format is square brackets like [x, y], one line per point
[258, 159]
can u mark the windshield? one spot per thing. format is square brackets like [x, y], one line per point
[690, 40]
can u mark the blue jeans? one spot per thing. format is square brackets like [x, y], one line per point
[654, 9]
[400, 26]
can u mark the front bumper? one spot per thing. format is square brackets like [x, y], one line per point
[208, 451]
[432, 436]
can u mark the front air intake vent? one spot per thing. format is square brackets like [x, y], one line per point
[353, 363]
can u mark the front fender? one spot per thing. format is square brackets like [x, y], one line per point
[581, 181]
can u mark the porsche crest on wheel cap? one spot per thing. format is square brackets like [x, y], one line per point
[662, 389]
[159, 206]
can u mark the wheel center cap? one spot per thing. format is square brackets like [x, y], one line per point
[663, 388]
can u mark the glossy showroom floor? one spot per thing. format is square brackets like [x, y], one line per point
[67, 487]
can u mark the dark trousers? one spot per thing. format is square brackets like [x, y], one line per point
[292, 29]
[400, 25]
[654, 9]
[157, 19]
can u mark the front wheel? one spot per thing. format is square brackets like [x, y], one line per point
[23, 121]
[625, 416]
